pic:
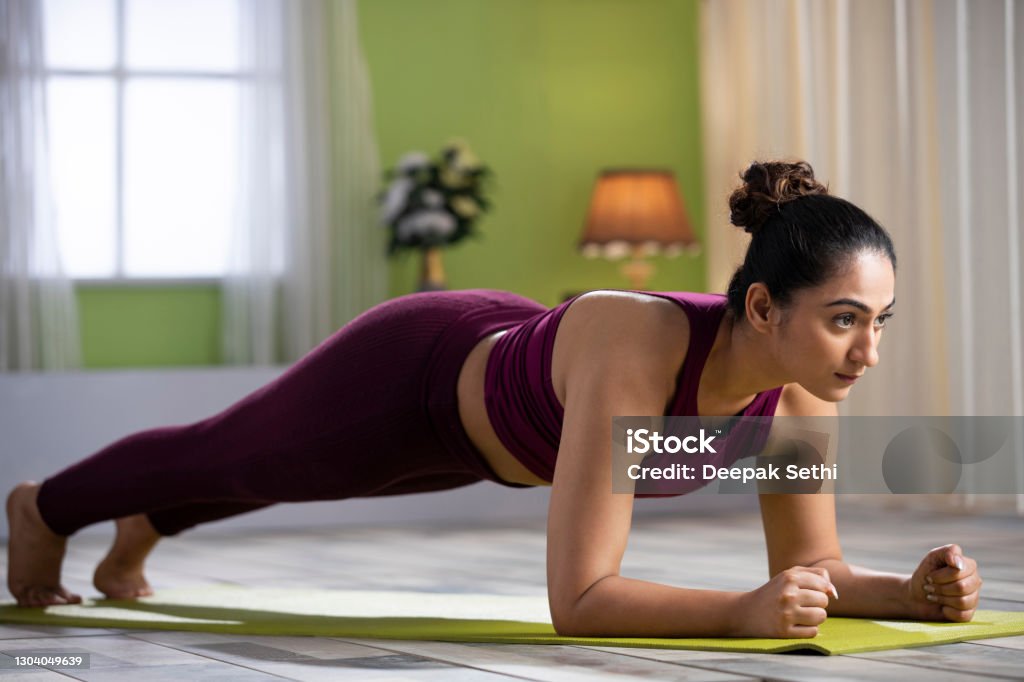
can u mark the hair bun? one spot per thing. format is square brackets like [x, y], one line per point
[766, 186]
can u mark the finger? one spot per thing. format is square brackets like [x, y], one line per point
[938, 557]
[948, 574]
[810, 615]
[823, 572]
[960, 603]
[802, 631]
[968, 585]
[944, 576]
[953, 556]
[956, 615]
[812, 579]
[809, 598]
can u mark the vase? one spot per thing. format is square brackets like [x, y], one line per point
[432, 272]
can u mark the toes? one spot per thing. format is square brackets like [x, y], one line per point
[70, 597]
[34, 597]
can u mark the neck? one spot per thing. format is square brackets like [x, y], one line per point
[740, 365]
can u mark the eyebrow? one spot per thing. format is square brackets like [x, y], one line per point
[857, 304]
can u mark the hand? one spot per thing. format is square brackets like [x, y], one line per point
[945, 586]
[791, 604]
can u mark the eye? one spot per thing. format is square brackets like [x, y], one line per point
[846, 320]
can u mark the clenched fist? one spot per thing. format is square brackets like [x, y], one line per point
[945, 586]
[791, 604]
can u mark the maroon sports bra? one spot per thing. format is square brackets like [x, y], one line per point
[520, 397]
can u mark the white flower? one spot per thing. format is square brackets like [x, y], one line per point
[396, 199]
[432, 198]
[429, 223]
[413, 161]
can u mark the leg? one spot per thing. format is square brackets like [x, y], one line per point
[120, 575]
[348, 420]
[296, 439]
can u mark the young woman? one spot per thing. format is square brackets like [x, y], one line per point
[438, 390]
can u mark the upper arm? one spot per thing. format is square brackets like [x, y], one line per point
[618, 372]
[800, 529]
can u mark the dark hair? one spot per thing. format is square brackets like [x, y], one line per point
[800, 234]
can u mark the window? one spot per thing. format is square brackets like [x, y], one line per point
[143, 115]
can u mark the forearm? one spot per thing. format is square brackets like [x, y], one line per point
[623, 607]
[866, 593]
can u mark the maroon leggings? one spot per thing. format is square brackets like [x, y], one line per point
[371, 411]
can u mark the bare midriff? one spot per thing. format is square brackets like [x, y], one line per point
[473, 413]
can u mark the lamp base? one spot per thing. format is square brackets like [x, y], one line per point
[638, 271]
[432, 277]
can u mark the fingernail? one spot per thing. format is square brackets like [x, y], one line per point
[958, 562]
[931, 597]
[928, 579]
[835, 592]
[929, 588]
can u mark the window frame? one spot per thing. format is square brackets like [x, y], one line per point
[119, 75]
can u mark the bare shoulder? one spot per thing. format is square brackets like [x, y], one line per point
[797, 401]
[610, 323]
[621, 333]
[642, 319]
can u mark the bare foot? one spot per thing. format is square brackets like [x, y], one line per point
[34, 552]
[119, 575]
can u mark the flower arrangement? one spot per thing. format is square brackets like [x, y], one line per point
[429, 203]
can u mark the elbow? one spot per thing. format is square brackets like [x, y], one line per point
[563, 621]
[565, 616]
[566, 625]
[569, 616]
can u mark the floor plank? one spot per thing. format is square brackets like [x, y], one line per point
[795, 667]
[553, 663]
[117, 657]
[962, 657]
[315, 658]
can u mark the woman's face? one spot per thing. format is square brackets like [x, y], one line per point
[830, 334]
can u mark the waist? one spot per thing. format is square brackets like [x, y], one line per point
[477, 420]
[523, 411]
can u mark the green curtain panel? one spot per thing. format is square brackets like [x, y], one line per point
[458, 618]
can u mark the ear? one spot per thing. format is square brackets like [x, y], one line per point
[762, 313]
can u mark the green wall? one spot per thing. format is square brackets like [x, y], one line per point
[546, 91]
[149, 326]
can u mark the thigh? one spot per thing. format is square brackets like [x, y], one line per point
[350, 418]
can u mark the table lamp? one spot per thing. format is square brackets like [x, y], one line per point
[636, 213]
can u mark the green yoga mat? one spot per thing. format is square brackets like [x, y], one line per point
[457, 618]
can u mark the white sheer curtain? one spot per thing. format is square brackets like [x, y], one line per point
[38, 317]
[911, 109]
[305, 255]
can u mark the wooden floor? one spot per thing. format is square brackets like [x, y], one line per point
[722, 551]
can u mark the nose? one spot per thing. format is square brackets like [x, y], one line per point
[865, 350]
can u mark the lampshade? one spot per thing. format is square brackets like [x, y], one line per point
[636, 212]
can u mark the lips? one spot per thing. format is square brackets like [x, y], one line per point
[849, 378]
